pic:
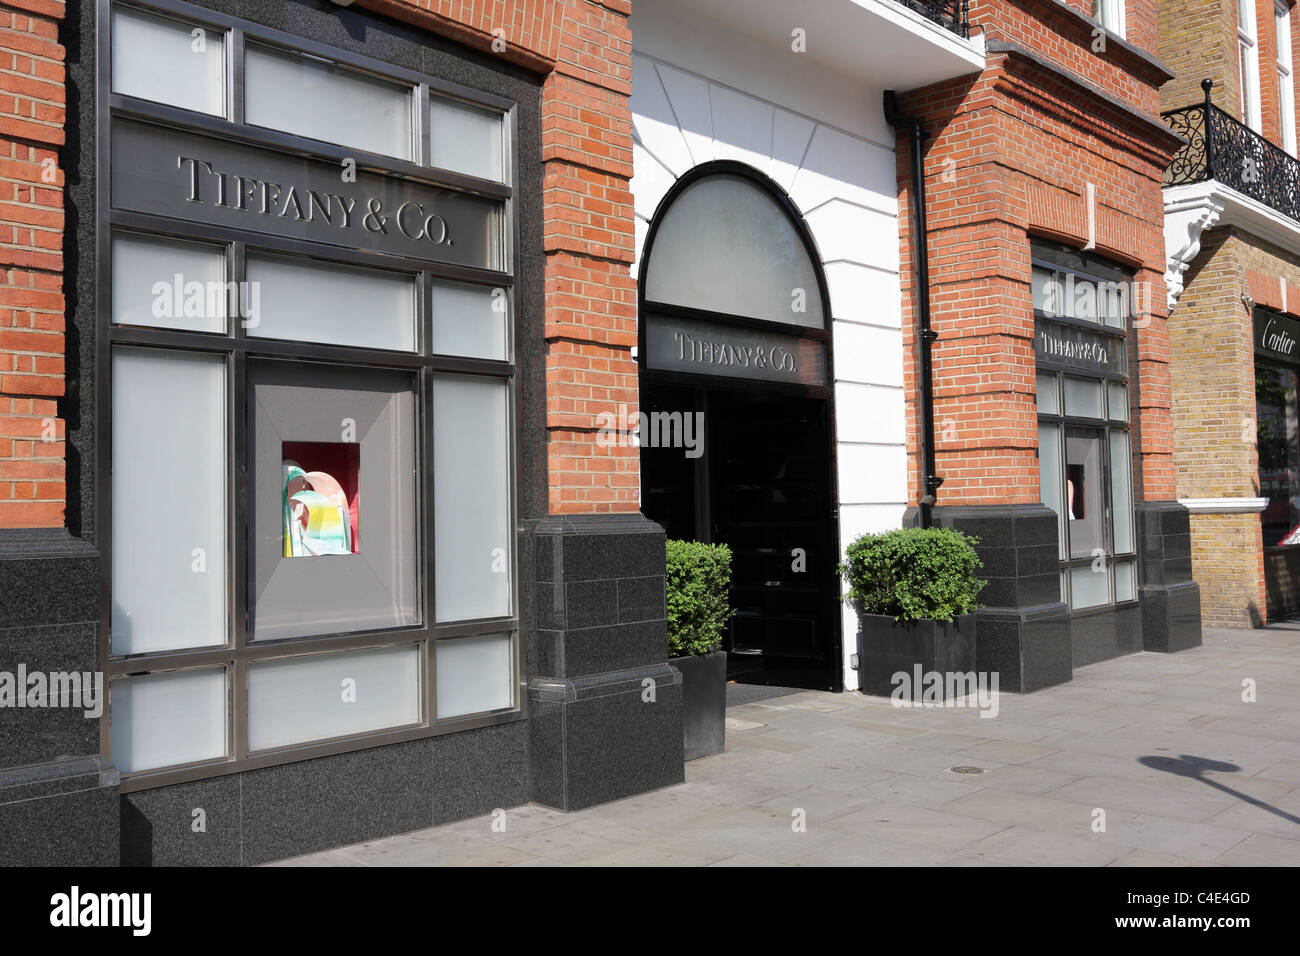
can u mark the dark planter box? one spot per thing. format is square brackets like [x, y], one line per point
[704, 703]
[886, 648]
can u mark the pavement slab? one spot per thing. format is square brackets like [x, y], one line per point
[1186, 772]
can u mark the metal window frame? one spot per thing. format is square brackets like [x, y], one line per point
[239, 652]
[1089, 269]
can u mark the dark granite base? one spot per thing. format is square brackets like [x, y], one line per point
[296, 808]
[604, 737]
[1171, 600]
[1171, 616]
[1023, 630]
[62, 813]
[1107, 634]
[1028, 649]
[601, 633]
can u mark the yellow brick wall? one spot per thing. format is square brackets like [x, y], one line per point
[1213, 374]
[1198, 39]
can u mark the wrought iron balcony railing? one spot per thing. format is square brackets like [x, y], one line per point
[1222, 148]
[952, 15]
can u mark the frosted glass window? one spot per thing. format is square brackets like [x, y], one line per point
[1117, 401]
[1084, 398]
[309, 97]
[1088, 587]
[1113, 303]
[1121, 492]
[168, 719]
[332, 695]
[1049, 398]
[466, 139]
[1125, 588]
[336, 305]
[725, 245]
[475, 674]
[1049, 292]
[472, 526]
[168, 61]
[169, 501]
[1050, 476]
[470, 320]
[170, 284]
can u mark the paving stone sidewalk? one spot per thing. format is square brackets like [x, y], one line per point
[1186, 772]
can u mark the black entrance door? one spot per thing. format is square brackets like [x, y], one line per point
[764, 486]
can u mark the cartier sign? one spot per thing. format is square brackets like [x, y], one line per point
[1276, 336]
[200, 178]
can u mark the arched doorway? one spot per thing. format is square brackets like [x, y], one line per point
[736, 386]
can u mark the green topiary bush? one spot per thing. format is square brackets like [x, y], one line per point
[913, 574]
[699, 576]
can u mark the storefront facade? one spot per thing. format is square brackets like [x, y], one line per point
[768, 265]
[320, 514]
[1233, 266]
[1052, 440]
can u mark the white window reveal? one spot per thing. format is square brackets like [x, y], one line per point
[1285, 77]
[1248, 60]
[1110, 14]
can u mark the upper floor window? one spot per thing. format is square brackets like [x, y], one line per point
[1285, 79]
[1110, 14]
[1248, 60]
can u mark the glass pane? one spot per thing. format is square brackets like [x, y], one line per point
[1049, 398]
[725, 245]
[1084, 498]
[170, 284]
[1282, 25]
[470, 320]
[1246, 16]
[167, 719]
[1278, 443]
[1083, 397]
[466, 139]
[1113, 303]
[1121, 491]
[474, 675]
[1051, 476]
[1090, 586]
[306, 96]
[471, 451]
[332, 695]
[1117, 401]
[169, 62]
[169, 501]
[1125, 582]
[1049, 292]
[325, 302]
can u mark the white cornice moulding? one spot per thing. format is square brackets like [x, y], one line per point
[1224, 506]
[1190, 210]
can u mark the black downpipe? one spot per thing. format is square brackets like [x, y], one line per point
[925, 334]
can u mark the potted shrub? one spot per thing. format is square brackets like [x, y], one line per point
[698, 581]
[915, 591]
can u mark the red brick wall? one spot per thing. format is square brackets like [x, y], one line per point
[583, 47]
[1010, 158]
[32, 101]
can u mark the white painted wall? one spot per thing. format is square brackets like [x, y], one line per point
[701, 91]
